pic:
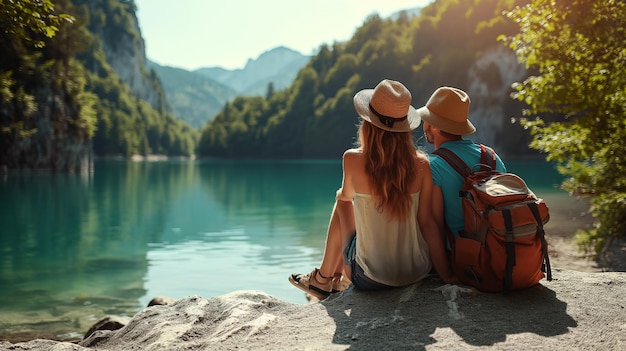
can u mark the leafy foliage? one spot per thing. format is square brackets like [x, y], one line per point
[31, 21]
[578, 49]
[37, 72]
[59, 97]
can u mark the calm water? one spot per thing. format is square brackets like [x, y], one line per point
[74, 248]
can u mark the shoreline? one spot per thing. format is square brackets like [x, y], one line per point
[563, 254]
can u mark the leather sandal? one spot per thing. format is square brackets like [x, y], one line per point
[340, 283]
[308, 284]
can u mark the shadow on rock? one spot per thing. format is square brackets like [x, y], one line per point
[411, 317]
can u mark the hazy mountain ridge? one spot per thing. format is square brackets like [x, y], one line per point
[278, 65]
[197, 96]
[412, 12]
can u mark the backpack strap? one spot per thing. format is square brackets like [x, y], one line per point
[458, 165]
[544, 245]
[454, 161]
[487, 158]
[510, 250]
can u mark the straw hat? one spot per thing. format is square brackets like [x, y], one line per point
[388, 107]
[448, 110]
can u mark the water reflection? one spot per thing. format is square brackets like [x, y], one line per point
[251, 223]
[73, 247]
[278, 195]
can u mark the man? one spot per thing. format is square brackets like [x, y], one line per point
[445, 118]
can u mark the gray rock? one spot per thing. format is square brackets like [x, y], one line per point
[40, 345]
[108, 323]
[575, 311]
[161, 300]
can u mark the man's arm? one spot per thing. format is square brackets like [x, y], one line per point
[431, 227]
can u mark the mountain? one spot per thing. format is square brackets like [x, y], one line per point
[278, 66]
[409, 13]
[197, 96]
[194, 98]
[124, 48]
[134, 116]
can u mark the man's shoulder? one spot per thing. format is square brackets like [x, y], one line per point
[460, 145]
[469, 152]
[438, 168]
[461, 148]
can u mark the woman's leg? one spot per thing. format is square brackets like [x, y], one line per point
[340, 229]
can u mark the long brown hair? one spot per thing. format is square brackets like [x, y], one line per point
[391, 167]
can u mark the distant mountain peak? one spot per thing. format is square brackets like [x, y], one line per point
[273, 60]
[279, 65]
[411, 12]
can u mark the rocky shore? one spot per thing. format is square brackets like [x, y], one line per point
[575, 311]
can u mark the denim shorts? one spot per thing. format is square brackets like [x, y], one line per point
[359, 280]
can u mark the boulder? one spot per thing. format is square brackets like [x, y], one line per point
[161, 300]
[110, 322]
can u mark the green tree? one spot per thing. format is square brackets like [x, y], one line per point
[33, 21]
[270, 90]
[578, 49]
[46, 114]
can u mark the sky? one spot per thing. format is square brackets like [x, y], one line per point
[190, 34]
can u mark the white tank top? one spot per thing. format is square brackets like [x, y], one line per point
[391, 252]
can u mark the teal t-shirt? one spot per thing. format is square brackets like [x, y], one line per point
[450, 181]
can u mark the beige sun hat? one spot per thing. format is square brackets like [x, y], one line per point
[448, 110]
[388, 107]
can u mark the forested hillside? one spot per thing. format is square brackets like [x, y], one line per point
[128, 124]
[445, 45]
[61, 101]
[194, 98]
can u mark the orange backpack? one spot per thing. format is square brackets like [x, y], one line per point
[503, 245]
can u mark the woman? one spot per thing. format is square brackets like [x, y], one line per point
[381, 233]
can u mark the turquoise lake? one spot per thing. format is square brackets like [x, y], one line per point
[74, 247]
